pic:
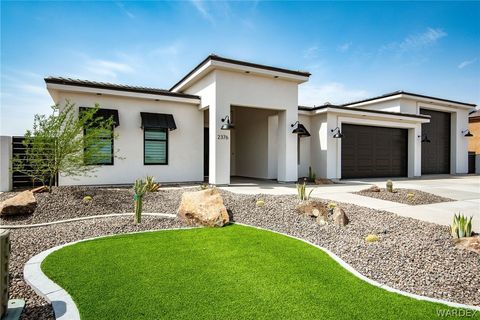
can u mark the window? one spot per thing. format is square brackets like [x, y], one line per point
[103, 149]
[155, 146]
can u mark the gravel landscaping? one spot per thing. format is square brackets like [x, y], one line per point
[68, 202]
[412, 255]
[401, 196]
[30, 241]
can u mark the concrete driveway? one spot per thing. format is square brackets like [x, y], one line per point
[464, 189]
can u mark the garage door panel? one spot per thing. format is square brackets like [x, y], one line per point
[373, 152]
[436, 154]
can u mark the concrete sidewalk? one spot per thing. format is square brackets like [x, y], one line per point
[464, 189]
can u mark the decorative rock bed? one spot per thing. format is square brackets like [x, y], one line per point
[410, 255]
[402, 196]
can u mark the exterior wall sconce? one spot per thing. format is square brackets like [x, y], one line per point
[425, 139]
[300, 129]
[466, 133]
[227, 125]
[338, 134]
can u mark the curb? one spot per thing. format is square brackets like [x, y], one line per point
[65, 308]
[44, 224]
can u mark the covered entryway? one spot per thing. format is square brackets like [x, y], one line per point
[371, 152]
[436, 145]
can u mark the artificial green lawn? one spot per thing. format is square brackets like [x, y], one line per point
[235, 272]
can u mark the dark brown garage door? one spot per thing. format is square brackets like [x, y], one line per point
[436, 153]
[369, 152]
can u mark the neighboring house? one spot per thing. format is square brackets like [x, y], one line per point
[474, 142]
[182, 134]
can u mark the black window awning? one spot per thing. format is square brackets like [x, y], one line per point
[158, 121]
[105, 114]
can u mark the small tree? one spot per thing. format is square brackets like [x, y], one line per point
[64, 142]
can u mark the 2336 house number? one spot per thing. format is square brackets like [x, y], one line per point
[222, 137]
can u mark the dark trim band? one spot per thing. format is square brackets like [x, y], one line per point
[242, 63]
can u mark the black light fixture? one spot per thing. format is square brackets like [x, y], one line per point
[300, 129]
[467, 133]
[227, 125]
[338, 134]
[425, 139]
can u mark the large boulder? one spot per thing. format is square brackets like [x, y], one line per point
[204, 208]
[469, 243]
[22, 203]
[339, 217]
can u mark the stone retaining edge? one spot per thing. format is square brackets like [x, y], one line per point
[65, 308]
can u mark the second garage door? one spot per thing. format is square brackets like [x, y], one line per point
[370, 152]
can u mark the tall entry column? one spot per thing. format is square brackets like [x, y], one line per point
[287, 146]
[219, 144]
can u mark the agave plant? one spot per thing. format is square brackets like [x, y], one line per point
[303, 193]
[461, 226]
[151, 185]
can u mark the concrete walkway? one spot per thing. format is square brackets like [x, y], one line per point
[464, 189]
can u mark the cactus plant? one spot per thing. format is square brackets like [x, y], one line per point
[372, 238]
[303, 193]
[139, 189]
[461, 226]
[260, 203]
[389, 186]
[410, 196]
[87, 199]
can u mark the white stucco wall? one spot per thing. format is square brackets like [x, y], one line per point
[5, 163]
[318, 144]
[305, 145]
[232, 88]
[185, 144]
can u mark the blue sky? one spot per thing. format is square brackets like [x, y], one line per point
[354, 50]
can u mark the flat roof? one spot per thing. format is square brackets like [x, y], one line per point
[341, 107]
[214, 57]
[391, 94]
[117, 87]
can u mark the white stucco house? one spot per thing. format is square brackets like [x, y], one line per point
[234, 118]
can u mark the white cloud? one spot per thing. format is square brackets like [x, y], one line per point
[422, 39]
[466, 63]
[311, 52]
[106, 68]
[333, 92]
[345, 47]
[202, 9]
[124, 10]
[417, 41]
[23, 94]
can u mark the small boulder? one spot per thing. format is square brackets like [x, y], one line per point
[373, 188]
[323, 181]
[339, 217]
[204, 208]
[322, 220]
[469, 243]
[22, 203]
[312, 208]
